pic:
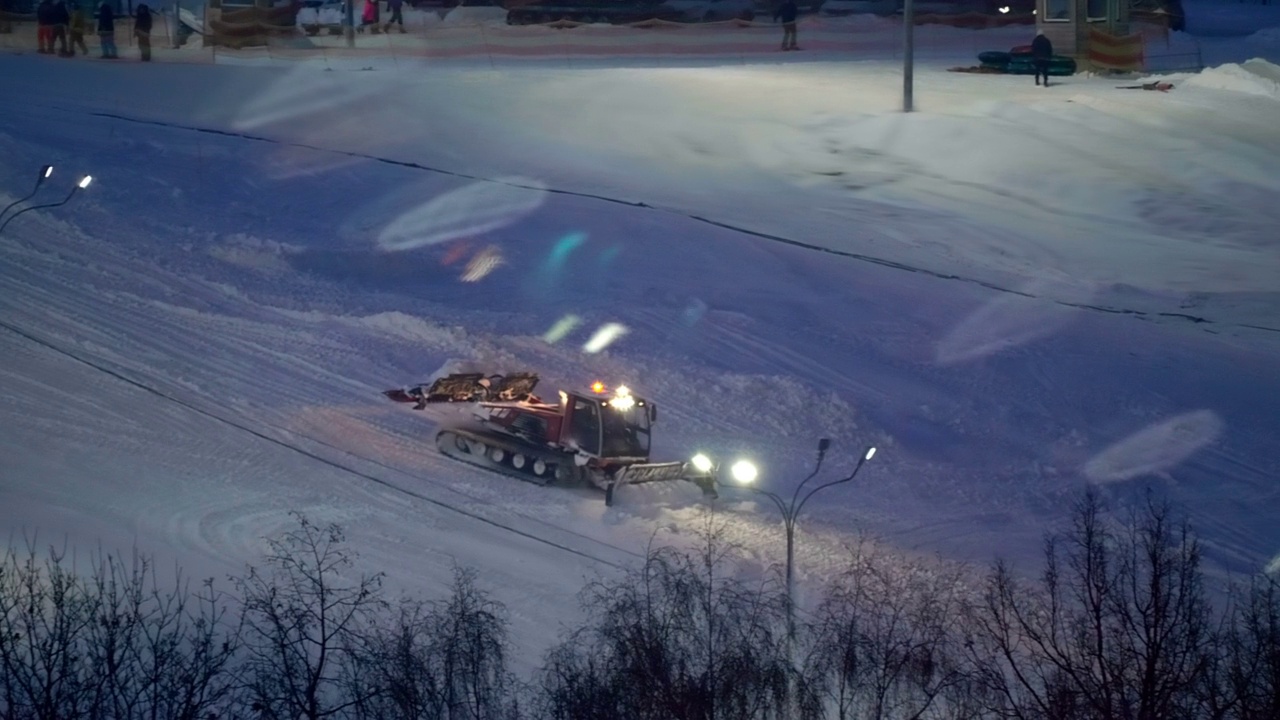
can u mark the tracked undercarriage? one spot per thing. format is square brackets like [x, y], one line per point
[601, 439]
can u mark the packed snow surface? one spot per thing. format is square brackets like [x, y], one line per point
[1256, 77]
[1013, 293]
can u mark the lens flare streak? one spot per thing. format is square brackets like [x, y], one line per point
[1156, 448]
[604, 337]
[468, 211]
[561, 328]
[484, 262]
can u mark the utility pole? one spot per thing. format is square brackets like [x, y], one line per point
[908, 53]
[744, 473]
[351, 23]
[790, 510]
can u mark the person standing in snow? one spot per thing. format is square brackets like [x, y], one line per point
[1041, 53]
[395, 6]
[76, 25]
[787, 12]
[142, 30]
[59, 18]
[44, 26]
[369, 16]
[107, 30]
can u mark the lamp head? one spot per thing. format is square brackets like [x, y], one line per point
[744, 472]
[702, 463]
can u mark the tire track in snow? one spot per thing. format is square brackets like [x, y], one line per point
[318, 458]
[62, 310]
[639, 204]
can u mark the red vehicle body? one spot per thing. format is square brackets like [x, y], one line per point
[601, 438]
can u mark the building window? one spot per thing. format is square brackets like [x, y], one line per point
[1097, 9]
[1059, 10]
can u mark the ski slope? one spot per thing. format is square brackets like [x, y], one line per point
[1012, 293]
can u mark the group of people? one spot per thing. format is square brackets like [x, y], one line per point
[65, 29]
[370, 14]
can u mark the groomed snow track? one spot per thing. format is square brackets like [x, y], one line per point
[1197, 320]
[330, 462]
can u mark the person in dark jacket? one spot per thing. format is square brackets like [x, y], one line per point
[107, 30]
[60, 19]
[44, 26]
[1041, 53]
[1177, 15]
[787, 12]
[142, 30]
[396, 7]
[77, 25]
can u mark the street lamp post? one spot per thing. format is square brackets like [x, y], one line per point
[745, 474]
[350, 11]
[45, 172]
[908, 54]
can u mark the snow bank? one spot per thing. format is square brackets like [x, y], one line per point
[1255, 77]
[475, 16]
[330, 14]
[1266, 36]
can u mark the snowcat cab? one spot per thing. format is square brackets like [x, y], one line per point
[600, 437]
[613, 428]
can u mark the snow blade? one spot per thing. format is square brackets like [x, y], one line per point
[469, 387]
[661, 472]
[664, 472]
[651, 472]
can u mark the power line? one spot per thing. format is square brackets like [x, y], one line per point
[301, 451]
[860, 257]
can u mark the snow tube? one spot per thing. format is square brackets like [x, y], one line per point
[1018, 61]
[1059, 65]
[994, 58]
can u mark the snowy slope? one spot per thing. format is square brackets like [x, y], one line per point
[1012, 293]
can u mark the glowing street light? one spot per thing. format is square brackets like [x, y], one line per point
[702, 463]
[744, 472]
[45, 172]
[84, 183]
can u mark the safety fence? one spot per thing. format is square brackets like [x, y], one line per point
[258, 27]
[1115, 52]
[249, 27]
[253, 33]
